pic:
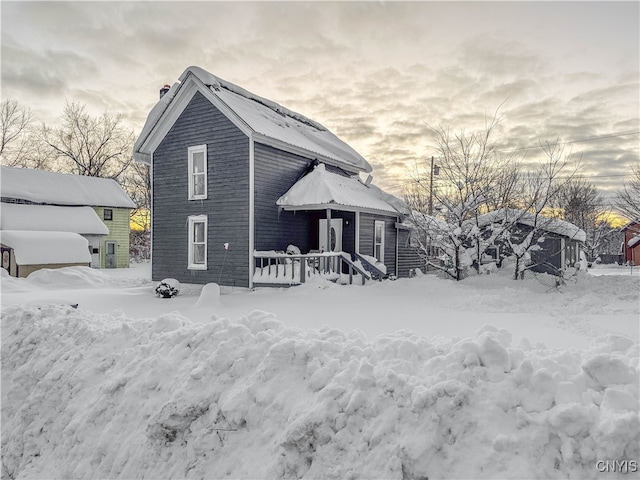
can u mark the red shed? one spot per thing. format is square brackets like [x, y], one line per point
[631, 243]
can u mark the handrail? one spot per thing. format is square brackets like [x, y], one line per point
[361, 271]
[375, 271]
[301, 265]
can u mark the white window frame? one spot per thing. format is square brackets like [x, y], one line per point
[193, 219]
[375, 243]
[192, 184]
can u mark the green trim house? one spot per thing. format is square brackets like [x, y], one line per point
[98, 209]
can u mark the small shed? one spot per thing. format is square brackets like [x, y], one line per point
[631, 246]
[24, 251]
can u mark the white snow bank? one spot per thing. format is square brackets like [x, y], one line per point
[69, 278]
[35, 248]
[105, 396]
[83, 220]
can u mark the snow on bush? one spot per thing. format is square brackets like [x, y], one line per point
[168, 288]
[105, 396]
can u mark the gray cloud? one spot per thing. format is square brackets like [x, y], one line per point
[377, 74]
[47, 73]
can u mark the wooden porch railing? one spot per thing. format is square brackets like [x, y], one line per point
[274, 268]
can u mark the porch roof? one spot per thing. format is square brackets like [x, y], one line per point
[321, 189]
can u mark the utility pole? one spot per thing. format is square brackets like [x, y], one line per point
[435, 169]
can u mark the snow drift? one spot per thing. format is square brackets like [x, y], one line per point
[89, 395]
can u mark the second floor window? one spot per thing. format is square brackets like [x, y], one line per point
[108, 214]
[198, 172]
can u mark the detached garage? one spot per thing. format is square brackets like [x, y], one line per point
[24, 252]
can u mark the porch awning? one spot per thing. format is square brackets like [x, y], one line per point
[321, 189]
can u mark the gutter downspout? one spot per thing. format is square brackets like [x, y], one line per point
[252, 262]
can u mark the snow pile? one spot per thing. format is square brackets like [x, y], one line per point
[69, 278]
[105, 396]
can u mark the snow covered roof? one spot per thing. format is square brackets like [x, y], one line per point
[40, 186]
[46, 248]
[552, 225]
[321, 189]
[265, 119]
[425, 221]
[83, 220]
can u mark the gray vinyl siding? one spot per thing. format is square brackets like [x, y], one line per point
[548, 258]
[408, 256]
[226, 205]
[390, 234]
[275, 172]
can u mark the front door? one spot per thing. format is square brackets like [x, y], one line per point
[336, 235]
[111, 250]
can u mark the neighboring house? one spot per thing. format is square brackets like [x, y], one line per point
[557, 243]
[631, 243]
[97, 209]
[239, 180]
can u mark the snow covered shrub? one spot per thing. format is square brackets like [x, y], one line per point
[168, 288]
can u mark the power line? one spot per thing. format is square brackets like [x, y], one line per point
[569, 142]
[588, 139]
[579, 175]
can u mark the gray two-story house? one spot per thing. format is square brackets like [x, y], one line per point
[239, 180]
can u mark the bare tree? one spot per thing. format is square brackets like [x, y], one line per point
[541, 190]
[93, 146]
[15, 121]
[627, 201]
[583, 205]
[137, 183]
[471, 176]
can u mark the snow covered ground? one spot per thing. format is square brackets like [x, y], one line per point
[417, 378]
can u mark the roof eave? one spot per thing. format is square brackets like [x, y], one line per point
[336, 206]
[303, 152]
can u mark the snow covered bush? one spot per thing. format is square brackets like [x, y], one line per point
[168, 288]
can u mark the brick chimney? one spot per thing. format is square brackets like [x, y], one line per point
[164, 90]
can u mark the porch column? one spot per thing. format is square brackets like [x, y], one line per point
[357, 248]
[328, 229]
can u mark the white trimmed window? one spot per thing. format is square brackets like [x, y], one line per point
[378, 240]
[198, 242]
[198, 172]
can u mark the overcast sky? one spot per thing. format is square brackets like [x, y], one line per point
[378, 74]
